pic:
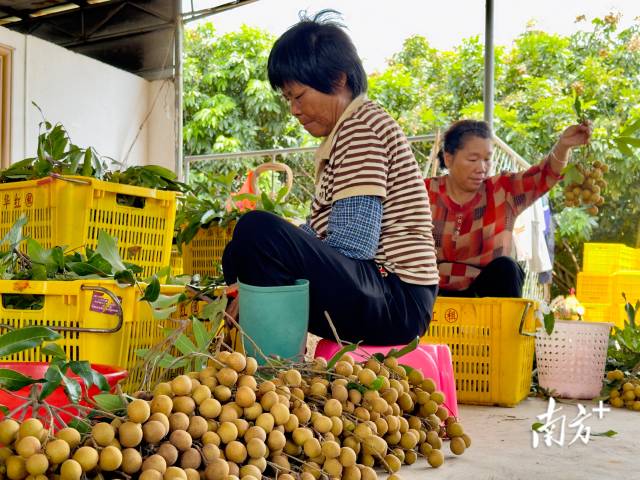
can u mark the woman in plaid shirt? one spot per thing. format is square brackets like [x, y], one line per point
[473, 213]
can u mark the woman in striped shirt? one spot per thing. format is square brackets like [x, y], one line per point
[474, 214]
[367, 248]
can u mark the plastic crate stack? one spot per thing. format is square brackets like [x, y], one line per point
[99, 320]
[609, 270]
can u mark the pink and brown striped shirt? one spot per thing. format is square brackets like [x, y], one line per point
[469, 236]
[368, 154]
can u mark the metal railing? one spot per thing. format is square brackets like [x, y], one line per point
[301, 162]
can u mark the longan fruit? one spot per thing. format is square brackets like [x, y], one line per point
[8, 431]
[236, 452]
[181, 385]
[131, 461]
[435, 458]
[37, 464]
[27, 446]
[110, 459]
[181, 440]
[70, 470]
[31, 427]
[87, 457]
[138, 411]
[155, 462]
[130, 434]
[217, 470]
[190, 458]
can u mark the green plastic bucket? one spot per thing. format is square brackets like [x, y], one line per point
[276, 318]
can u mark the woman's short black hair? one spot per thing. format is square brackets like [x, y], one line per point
[316, 52]
[458, 133]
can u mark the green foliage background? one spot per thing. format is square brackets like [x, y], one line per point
[229, 105]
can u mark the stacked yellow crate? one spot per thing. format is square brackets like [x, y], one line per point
[609, 270]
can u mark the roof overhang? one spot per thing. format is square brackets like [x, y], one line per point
[133, 35]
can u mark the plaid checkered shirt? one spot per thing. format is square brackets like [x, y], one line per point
[470, 236]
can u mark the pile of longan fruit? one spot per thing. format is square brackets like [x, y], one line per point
[228, 422]
[589, 193]
[625, 390]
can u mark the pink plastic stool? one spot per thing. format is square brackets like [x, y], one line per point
[434, 360]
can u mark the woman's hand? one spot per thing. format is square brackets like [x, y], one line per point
[575, 135]
[571, 137]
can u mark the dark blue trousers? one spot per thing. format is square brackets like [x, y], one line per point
[363, 304]
[501, 277]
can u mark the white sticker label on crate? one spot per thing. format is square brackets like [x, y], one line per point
[102, 303]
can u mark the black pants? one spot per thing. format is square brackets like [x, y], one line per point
[502, 277]
[266, 250]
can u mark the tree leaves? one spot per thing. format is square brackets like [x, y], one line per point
[410, 347]
[109, 402]
[90, 377]
[25, 338]
[14, 236]
[53, 350]
[108, 249]
[152, 292]
[12, 380]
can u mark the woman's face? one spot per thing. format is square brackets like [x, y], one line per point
[469, 166]
[317, 112]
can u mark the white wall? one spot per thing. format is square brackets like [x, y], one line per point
[99, 105]
[161, 148]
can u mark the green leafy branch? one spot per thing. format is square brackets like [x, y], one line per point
[56, 375]
[624, 344]
[57, 155]
[214, 201]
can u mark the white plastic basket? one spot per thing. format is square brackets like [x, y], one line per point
[571, 360]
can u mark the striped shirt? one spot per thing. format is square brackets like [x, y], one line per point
[470, 236]
[368, 154]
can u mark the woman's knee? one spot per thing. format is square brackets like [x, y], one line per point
[509, 266]
[252, 226]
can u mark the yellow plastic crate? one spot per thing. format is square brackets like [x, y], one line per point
[204, 253]
[70, 211]
[176, 262]
[619, 314]
[85, 313]
[597, 312]
[594, 288]
[491, 346]
[606, 258]
[627, 282]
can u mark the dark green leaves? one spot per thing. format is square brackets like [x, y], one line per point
[346, 349]
[12, 380]
[608, 433]
[356, 386]
[81, 426]
[25, 339]
[549, 322]
[52, 380]
[54, 350]
[109, 402]
[88, 375]
[152, 292]
[404, 350]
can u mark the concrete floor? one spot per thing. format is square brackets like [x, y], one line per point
[502, 446]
